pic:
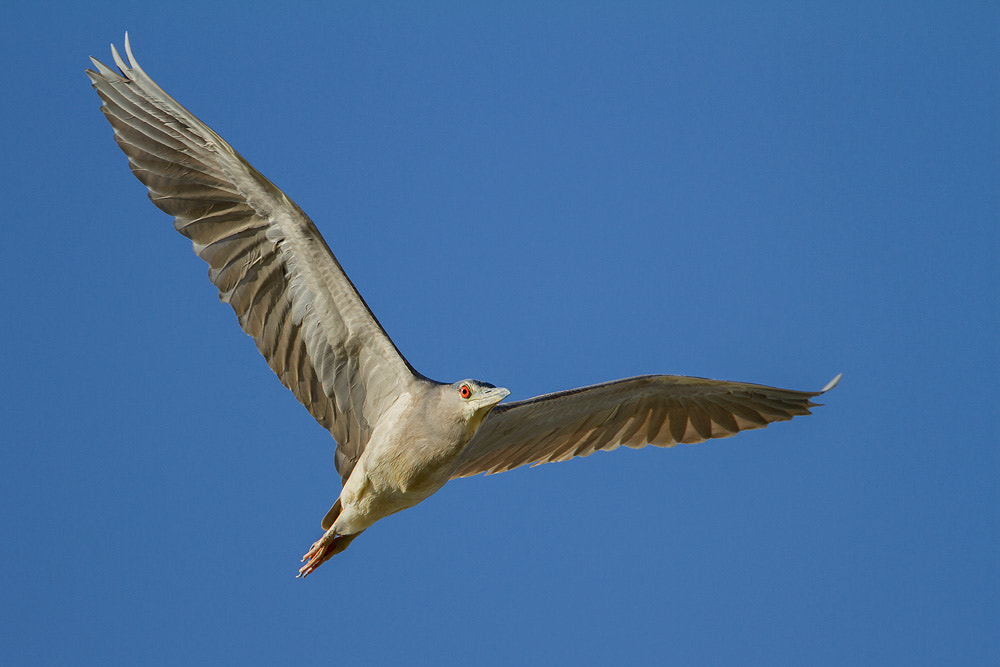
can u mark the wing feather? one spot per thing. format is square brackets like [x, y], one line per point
[659, 410]
[265, 256]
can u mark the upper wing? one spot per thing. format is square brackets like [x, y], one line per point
[660, 410]
[266, 257]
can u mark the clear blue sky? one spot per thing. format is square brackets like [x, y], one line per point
[541, 197]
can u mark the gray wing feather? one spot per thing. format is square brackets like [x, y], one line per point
[659, 410]
[266, 257]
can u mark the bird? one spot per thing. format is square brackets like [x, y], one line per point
[399, 435]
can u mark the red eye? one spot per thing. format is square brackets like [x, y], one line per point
[465, 392]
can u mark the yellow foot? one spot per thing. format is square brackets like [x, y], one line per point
[323, 549]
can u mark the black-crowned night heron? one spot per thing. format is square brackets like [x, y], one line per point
[400, 436]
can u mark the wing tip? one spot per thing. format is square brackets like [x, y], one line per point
[128, 52]
[832, 383]
[119, 61]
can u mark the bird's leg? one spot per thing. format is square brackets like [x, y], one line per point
[323, 549]
[319, 552]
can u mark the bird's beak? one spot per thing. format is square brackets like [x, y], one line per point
[492, 396]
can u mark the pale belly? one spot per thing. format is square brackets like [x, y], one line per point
[388, 480]
[408, 458]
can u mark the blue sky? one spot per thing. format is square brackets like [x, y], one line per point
[542, 197]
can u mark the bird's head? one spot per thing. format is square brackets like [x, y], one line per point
[475, 399]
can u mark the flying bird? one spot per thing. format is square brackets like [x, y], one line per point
[400, 436]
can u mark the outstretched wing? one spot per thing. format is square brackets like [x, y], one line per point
[266, 257]
[660, 410]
